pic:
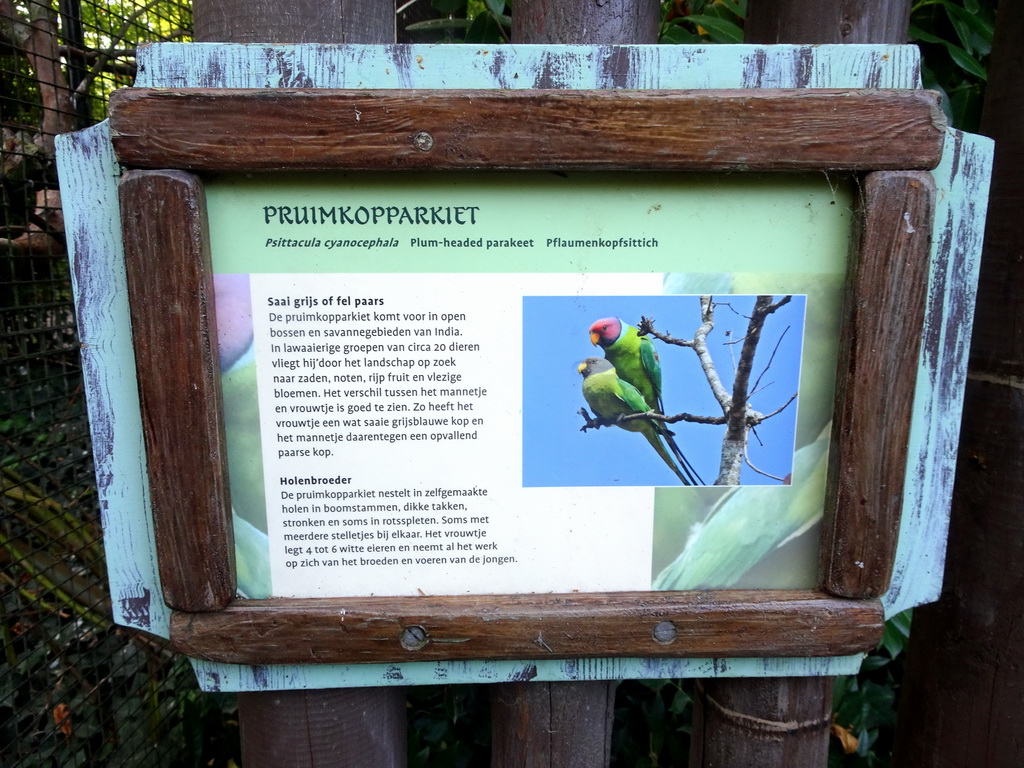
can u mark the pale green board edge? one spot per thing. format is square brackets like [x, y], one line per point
[213, 65]
[92, 219]
[89, 177]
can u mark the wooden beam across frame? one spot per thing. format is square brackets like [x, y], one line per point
[167, 253]
[722, 624]
[767, 130]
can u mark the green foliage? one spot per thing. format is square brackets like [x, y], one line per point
[955, 39]
[864, 706]
[76, 690]
[702, 21]
[449, 726]
[467, 21]
[652, 723]
[653, 717]
[113, 30]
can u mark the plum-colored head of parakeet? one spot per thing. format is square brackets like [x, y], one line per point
[610, 398]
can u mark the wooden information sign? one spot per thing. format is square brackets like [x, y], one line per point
[395, 354]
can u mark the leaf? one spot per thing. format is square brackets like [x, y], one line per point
[680, 702]
[966, 62]
[866, 706]
[897, 633]
[421, 26]
[916, 33]
[497, 7]
[719, 30]
[873, 661]
[485, 29]
[963, 59]
[62, 719]
[736, 7]
[677, 35]
[977, 32]
[846, 738]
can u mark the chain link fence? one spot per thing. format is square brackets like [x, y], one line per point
[75, 690]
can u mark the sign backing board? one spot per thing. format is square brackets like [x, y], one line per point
[395, 360]
[583, 599]
[166, 228]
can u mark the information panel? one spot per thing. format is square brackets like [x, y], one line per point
[435, 383]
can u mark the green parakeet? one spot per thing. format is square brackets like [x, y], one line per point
[636, 360]
[610, 397]
[633, 356]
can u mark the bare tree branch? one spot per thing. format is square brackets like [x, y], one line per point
[749, 463]
[687, 417]
[738, 416]
[699, 345]
[37, 42]
[90, 56]
[108, 53]
[756, 418]
[734, 444]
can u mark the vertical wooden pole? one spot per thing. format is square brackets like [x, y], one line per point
[762, 722]
[784, 722]
[836, 21]
[964, 681]
[552, 725]
[354, 727]
[585, 23]
[300, 21]
[544, 725]
[350, 728]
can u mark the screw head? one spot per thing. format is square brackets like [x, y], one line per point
[664, 632]
[413, 638]
[423, 141]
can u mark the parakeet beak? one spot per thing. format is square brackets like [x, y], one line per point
[581, 369]
[594, 338]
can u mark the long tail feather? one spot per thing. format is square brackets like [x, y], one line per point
[688, 470]
[654, 439]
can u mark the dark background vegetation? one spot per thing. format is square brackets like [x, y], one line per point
[75, 690]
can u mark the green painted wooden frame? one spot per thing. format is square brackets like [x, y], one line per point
[170, 137]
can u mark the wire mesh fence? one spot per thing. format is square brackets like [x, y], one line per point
[75, 690]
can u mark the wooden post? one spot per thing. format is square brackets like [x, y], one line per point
[591, 23]
[350, 728]
[784, 721]
[837, 21]
[301, 21]
[962, 688]
[347, 727]
[564, 724]
[552, 725]
[762, 722]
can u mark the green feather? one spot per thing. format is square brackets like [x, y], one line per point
[610, 397]
[637, 363]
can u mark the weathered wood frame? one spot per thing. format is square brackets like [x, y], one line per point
[168, 136]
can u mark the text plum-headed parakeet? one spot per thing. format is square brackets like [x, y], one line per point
[611, 397]
[636, 360]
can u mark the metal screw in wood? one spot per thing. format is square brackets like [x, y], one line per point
[423, 141]
[413, 638]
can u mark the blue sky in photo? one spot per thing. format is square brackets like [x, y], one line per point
[556, 338]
